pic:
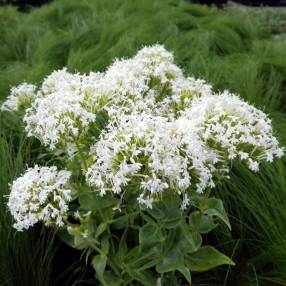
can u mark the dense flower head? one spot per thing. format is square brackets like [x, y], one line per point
[154, 152]
[41, 194]
[20, 98]
[138, 83]
[234, 128]
[61, 80]
[58, 116]
[150, 81]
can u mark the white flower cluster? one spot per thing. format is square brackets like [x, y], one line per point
[182, 154]
[20, 97]
[149, 82]
[67, 104]
[234, 128]
[155, 153]
[41, 194]
[58, 114]
[175, 133]
[165, 131]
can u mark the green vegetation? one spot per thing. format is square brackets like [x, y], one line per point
[236, 51]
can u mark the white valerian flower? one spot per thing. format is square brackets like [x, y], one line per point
[59, 116]
[154, 153]
[76, 215]
[137, 83]
[20, 98]
[67, 104]
[61, 80]
[234, 128]
[41, 194]
[253, 165]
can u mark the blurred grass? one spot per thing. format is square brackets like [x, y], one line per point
[231, 50]
[25, 258]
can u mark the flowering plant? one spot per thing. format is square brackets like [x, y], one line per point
[141, 146]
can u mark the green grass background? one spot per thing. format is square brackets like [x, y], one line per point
[230, 49]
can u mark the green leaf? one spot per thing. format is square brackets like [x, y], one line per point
[171, 261]
[153, 261]
[121, 222]
[100, 229]
[201, 222]
[102, 119]
[158, 211]
[150, 235]
[131, 194]
[100, 123]
[214, 207]
[145, 277]
[171, 199]
[147, 218]
[186, 272]
[122, 248]
[193, 240]
[141, 260]
[111, 279]
[207, 257]
[80, 242]
[105, 244]
[99, 264]
[133, 255]
[170, 217]
[91, 201]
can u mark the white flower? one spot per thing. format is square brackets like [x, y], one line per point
[146, 201]
[253, 165]
[41, 194]
[21, 97]
[59, 116]
[152, 152]
[66, 104]
[77, 215]
[185, 202]
[234, 128]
